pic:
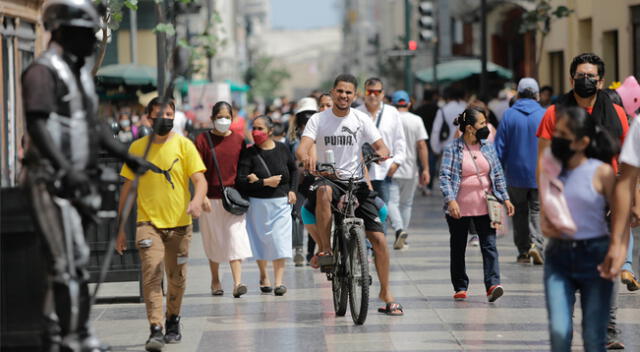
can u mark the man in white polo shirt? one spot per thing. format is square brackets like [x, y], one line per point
[387, 120]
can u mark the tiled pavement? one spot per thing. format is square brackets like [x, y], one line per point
[303, 320]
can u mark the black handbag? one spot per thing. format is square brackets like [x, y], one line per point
[232, 200]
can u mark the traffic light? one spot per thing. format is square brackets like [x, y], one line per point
[412, 45]
[426, 23]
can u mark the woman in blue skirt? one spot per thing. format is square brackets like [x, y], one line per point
[267, 174]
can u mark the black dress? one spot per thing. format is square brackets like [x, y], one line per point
[279, 161]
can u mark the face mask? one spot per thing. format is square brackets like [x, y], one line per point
[259, 136]
[162, 126]
[222, 125]
[482, 133]
[585, 87]
[125, 123]
[561, 149]
[135, 118]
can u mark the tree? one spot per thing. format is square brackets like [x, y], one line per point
[110, 22]
[265, 79]
[539, 21]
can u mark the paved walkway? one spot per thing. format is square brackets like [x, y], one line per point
[303, 320]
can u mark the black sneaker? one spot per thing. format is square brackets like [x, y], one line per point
[172, 327]
[523, 259]
[401, 237]
[155, 343]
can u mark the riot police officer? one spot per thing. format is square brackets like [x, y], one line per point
[65, 136]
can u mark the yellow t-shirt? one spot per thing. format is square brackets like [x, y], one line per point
[163, 193]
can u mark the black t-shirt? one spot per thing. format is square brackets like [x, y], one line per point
[278, 160]
[428, 114]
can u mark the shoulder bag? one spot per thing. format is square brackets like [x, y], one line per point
[493, 204]
[232, 200]
[444, 128]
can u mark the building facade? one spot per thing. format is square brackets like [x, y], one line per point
[610, 29]
[21, 40]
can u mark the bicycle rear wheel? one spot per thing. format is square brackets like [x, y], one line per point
[358, 278]
[339, 285]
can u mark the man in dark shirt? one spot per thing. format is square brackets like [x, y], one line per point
[61, 159]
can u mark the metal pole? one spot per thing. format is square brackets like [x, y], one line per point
[161, 42]
[133, 32]
[483, 42]
[436, 47]
[408, 85]
[209, 59]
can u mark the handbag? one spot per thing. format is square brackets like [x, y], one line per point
[552, 197]
[232, 200]
[493, 204]
[444, 128]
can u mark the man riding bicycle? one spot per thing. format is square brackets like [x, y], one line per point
[343, 131]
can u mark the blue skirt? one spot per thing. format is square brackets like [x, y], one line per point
[269, 226]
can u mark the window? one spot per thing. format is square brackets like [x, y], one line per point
[556, 71]
[610, 56]
[635, 23]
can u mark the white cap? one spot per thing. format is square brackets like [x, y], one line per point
[307, 104]
[528, 83]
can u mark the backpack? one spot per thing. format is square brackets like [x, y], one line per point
[445, 131]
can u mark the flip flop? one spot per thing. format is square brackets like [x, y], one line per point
[392, 308]
[239, 290]
[218, 292]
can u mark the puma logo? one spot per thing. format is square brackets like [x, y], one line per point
[166, 173]
[347, 130]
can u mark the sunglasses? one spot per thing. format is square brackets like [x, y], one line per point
[373, 91]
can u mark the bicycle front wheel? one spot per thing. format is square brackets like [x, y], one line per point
[339, 281]
[358, 277]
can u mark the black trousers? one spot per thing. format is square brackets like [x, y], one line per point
[458, 229]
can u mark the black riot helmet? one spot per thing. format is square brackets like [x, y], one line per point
[71, 13]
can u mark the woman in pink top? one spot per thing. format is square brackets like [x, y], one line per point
[470, 168]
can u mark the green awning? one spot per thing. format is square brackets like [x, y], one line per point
[128, 74]
[183, 85]
[460, 69]
[237, 87]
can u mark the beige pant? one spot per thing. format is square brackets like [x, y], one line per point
[158, 246]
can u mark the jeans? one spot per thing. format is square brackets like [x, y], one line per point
[458, 229]
[298, 226]
[571, 266]
[526, 220]
[382, 188]
[401, 192]
[628, 263]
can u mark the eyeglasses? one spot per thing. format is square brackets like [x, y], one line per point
[373, 91]
[583, 75]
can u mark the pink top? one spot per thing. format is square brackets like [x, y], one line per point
[471, 194]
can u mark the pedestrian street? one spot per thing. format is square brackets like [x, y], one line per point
[303, 319]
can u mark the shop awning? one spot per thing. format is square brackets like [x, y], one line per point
[460, 69]
[128, 74]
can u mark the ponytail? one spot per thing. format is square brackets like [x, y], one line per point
[602, 146]
[468, 117]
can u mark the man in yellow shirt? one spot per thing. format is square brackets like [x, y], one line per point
[164, 227]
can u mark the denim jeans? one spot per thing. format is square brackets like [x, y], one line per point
[628, 263]
[571, 266]
[526, 220]
[458, 229]
[401, 192]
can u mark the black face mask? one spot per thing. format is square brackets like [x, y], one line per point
[585, 87]
[482, 133]
[561, 149]
[162, 126]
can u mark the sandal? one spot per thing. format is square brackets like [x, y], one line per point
[392, 308]
[314, 263]
[265, 288]
[218, 292]
[280, 290]
[239, 290]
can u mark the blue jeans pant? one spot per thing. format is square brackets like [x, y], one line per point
[458, 230]
[571, 266]
[628, 264]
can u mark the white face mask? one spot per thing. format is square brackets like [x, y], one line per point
[222, 125]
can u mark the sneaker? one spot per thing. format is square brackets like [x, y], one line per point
[523, 259]
[155, 343]
[627, 278]
[401, 237]
[172, 329]
[495, 292]
[298, 258]
[460, 295]
[613, 339]
[536, 255]
[474, 241]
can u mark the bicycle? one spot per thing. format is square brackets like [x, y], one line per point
[348, 267]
